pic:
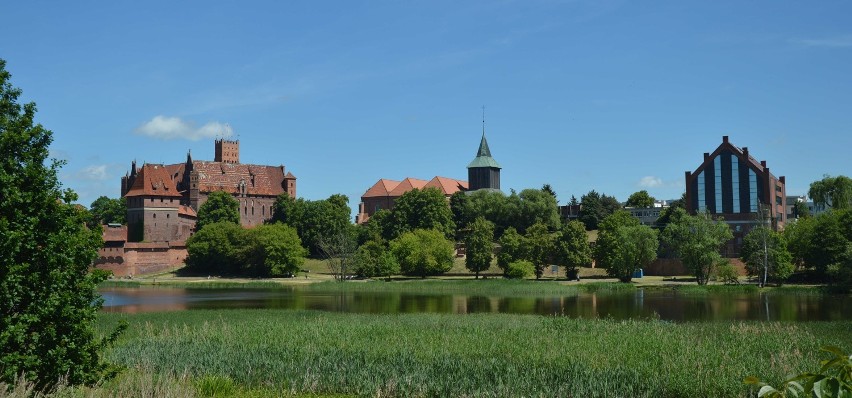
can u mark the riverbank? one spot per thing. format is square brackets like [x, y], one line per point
[273, 352]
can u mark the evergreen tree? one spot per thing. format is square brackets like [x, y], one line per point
[49, 298]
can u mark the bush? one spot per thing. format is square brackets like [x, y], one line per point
[727, 273]
[520, 269]
[225, 248]
[373, 259]
[423, 252]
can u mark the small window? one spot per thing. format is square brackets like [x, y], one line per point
[155, 215]
[167, 215]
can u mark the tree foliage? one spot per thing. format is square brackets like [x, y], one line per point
[696, 240]
[818, 242]
[624, 245]
[763, 245]
[519, 269]
[572, 247]
[225, 248]
[666, 216]
[640, 199]
[513, 248]
[421, 209]
[49, 298]
[313, 220]
[479, 246]
[832, 191]
[105, 210]
[220, 206]
[518, 210]
[374, 259]
[423, 252]
[540, 245]
[339, 252]
[595, 207]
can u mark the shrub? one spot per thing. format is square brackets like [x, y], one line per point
[520, 269]
[727, 273]
[423, 252]
[373, 259]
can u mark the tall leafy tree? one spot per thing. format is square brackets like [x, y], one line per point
[105, 210]
[540, 247]
[423, 252]
[833, 191]
[422, 209]
[461, 209]
[220, 206]
[49, 302]
[546, 188]
[640, 199]
[374, 259]
[513, 247]
[314, 220]
[624, 245]
[667, 213]
[596, 207]
[533, 206]
[696, 240]
[572, 248]
[479, 246]
[766, 250]
[273, 250]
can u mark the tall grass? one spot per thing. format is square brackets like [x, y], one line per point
[473, 355]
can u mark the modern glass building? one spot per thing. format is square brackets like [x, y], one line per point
[733, 185]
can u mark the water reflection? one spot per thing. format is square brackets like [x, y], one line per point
[662, 304]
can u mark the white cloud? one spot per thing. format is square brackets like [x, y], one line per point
[169, 128]
[651, 182]
[838, 41]
[94, 172]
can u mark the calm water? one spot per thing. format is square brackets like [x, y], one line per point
[643, 303]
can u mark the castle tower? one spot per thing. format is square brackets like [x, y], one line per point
[483, 172]
[227, 151]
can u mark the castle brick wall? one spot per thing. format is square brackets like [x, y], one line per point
[141, 258]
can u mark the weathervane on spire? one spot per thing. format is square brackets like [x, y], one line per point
[483, 120]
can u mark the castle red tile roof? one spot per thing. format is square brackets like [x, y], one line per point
[407, 185]
[448, 186]
[153, 180]
[259, 180]
[187, 211]
[381, 188]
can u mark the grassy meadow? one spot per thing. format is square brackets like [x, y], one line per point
[275, 352]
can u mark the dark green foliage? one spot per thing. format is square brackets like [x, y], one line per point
[520, 269]
[840, 273]
[546, 188]
[667, 213]
[479, 246]
[697, 240]
[423, 252]
[225, 248]
[373, 260]
[105, 210]
[376, 227]
[48, 301]
[533, 206]
[596, 207]
[833, 379]
[726, 273]
[833, 191]
[219, 207]
[313, 219]
[572, 247]
[801, 210]
[422, 209]
[817, 242]
[540, 247]
[624, 245]
[640, 199]
[765, 245]
[513, 247]
[519, 211]
[460, 208]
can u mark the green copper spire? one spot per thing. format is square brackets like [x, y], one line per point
[483, 156]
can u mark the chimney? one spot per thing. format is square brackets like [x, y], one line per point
[763, 163]
[724, 139]
[706, 156]
[783, 180]
[745, 152]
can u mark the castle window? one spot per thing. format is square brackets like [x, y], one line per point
[167, 215]
[155, 215]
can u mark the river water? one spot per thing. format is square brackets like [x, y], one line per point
[639, 304]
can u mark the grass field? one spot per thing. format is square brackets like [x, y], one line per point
[270, 352]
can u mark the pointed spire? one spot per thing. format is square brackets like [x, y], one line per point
[483, 155]
[189, 156]
[483, 148]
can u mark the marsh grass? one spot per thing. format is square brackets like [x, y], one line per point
[322, 353]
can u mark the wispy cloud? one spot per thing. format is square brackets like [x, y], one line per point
[170, 128]
[651, 182]
[831, 42]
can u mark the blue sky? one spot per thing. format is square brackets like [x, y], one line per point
[605, 95]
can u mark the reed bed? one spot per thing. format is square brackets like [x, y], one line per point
[492, 355]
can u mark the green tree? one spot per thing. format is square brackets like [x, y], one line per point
[422, 209]
[273, 250]
[105, 210]
[493, 205]
[217, 249]
[376, 228]
[762, 246]
[696, 240]
[479, 246]
[595, 207]
[540, 247]
[423, 252]
[640, 199]
[220, 206]
[373, 259]
[832, 191]
[572, 248]
[532, 206]
[49, 297]
[546, 188]
[461, 209]
[313, 219]
[519, 269]
[513, 248]
[624, 245]
[840, 273]
[801, 210]
[667, 213]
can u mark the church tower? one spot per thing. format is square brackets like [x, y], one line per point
[483, 172]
